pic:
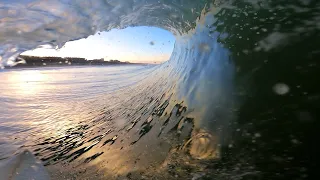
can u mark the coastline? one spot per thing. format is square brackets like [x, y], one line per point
[38, 62]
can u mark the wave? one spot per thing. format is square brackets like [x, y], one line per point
[237, 99]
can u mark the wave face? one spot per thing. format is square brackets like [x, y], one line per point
[238, 99]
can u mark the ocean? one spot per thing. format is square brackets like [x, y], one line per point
[35, 100]
[238, 99]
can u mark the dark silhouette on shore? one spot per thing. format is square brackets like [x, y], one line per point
[34, 61]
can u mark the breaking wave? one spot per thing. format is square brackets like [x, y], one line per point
[239, 97]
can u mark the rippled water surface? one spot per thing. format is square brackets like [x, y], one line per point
[35, 101]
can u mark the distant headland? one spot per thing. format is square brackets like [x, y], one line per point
[35, 61]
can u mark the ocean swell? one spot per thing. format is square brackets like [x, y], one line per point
[214, 110]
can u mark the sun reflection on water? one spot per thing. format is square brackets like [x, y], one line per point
[28, 82]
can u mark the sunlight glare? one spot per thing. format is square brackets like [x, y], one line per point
[28, 82]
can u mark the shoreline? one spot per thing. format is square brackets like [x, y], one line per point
[72, 65]
[39, 62]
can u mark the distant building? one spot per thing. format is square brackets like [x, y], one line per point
[114, 61]
[59, 61]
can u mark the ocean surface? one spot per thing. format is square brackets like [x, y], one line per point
[46, 99]
[238, 99]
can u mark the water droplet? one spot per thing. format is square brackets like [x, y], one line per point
[174, 16]
[281, 88]
[257, 135]
[290, 158]
[304, 175]
[294, 141]
[204, 47]
[305, 116]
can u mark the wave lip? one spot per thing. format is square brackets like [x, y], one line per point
[28, 24]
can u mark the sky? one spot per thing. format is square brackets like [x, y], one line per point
[133, 44]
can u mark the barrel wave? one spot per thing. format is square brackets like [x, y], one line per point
[238, 99]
